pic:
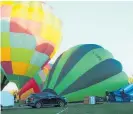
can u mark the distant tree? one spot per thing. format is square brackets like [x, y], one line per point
[130, 79]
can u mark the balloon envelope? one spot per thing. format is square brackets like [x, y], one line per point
[30, 36]
[85, 70]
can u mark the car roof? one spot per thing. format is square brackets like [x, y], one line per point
[43, 93]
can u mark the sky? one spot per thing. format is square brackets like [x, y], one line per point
[109, 24]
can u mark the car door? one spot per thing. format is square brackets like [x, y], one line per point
[45, 99]
[52, 99]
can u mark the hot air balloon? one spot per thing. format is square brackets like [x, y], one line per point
[30, 36]
[85, 70]
[35, 84]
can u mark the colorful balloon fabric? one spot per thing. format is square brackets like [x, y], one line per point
[35, 84]
[85, 70]
[30, 36]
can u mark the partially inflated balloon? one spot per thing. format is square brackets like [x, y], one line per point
[85, 70]
[30, 36]
[35, 84]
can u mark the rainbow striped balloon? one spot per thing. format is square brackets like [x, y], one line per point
[35, 84]
[30, 36]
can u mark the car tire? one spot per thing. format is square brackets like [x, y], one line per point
[38, 105]
[61, 103]
[56, 105]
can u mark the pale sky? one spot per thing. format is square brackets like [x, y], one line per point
[109, 24]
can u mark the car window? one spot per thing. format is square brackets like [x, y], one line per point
[51, 95]
[44, 94]
[32, 95]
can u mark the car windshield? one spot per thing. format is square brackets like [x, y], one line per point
[33, 95]
[45, 94]
[48, 94]
[51, 95]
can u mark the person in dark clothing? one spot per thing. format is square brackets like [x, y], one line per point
[123, 95]
[15, 97]
[107, 95]
[113, 97]
[1, 108]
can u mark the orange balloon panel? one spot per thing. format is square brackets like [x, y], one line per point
[26, 94]
[5, 54]
[46, 71]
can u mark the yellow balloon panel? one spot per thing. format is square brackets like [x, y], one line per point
[47, 25]
[19, 68]
[28, 13]
[6, 3]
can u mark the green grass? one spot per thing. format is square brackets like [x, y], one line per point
[112, 108]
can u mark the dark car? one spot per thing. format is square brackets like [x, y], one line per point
[45, 99]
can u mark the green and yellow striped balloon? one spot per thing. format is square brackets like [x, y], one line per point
[85, 70]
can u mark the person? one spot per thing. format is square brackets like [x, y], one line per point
[15, 97]
[123, 95]
[107, 95]
[1, 108]
[113, 96]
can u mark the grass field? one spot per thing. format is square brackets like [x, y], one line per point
[113, 108]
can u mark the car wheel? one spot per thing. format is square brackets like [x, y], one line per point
[38, 105]
[61, 103]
